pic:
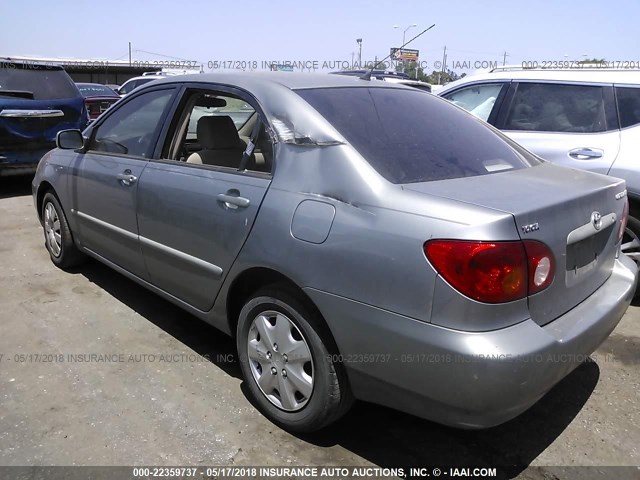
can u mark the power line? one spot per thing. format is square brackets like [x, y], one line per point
[161, 55]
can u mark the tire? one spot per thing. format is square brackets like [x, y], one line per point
[57, 235]
[631, 239]
[316, 389]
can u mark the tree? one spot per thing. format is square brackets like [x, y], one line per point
[593, 60]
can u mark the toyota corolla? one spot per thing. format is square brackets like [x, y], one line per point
[360, 240]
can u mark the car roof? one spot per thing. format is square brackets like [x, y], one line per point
[90, 83]
[579, 75]
[145, 77]
[290, 80]
[32, 64]
[377, 73]
[404, 81]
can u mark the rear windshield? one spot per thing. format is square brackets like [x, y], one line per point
[44, 83]
[95, 90]
[411, 136]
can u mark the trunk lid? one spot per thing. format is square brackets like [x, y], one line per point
[559, 207]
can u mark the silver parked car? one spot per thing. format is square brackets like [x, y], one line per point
[358, 239]
[587, 118]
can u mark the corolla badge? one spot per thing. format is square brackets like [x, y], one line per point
[596, 219]
[534, 227]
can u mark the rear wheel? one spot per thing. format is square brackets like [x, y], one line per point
[57, 235]
[631, 239]
[289, 371]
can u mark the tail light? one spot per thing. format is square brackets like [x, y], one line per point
[493, 272]
[90, 114]
[541, 265]
[623, 220]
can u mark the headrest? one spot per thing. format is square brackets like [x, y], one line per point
[218, 133]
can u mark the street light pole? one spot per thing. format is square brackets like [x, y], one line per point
[359, 41]
[404, 34]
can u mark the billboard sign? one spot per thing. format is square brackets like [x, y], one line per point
[405, 54]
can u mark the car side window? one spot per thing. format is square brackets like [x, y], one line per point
[628, 100]
[131, 128]
[476, 99]
[219, 129]
[547, 107]
[127, 87]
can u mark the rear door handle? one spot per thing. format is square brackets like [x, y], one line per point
[232, 201]
[126, 178]
[585, 153]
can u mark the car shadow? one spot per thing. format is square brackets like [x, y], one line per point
[201, 337]
[383, 436]
[390, 439]
[16, 186]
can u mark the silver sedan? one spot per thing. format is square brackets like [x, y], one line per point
[360, 240]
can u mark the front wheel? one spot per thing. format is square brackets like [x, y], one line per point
[289, 371]
[57, 235]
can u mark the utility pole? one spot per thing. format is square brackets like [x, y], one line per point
[129, 53]
[444, 62]
[504, 58]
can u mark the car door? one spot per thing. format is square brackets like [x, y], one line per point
[570, 124]
[105, 178]
[194, 218]
[626, 165]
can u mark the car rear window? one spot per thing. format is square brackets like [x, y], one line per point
[628, 106]
[411, 136]
[95, 90]
[43, 82]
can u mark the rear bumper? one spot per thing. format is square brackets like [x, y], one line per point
[21, 162]
[469, 380]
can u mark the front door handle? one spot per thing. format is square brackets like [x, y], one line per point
[585, 153]
[233, 202]
[126, 178]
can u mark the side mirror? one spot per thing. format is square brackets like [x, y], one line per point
[70, 140]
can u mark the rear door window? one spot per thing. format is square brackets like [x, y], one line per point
[548, 107]
[628, 100]
[476, 99]
[411, 136]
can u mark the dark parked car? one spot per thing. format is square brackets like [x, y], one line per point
[399, 78]
[97, 98]
[359, 239]
[36, 102]
[379, 74]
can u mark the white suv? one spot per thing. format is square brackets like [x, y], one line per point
[587, 118]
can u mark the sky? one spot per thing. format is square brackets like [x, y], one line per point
[318, 33]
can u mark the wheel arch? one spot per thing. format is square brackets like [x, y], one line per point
[253, 279]
[44, 188]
